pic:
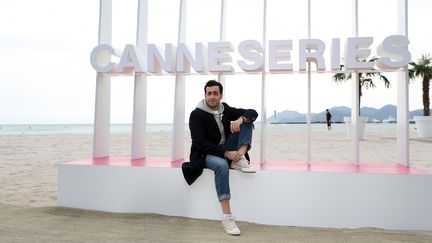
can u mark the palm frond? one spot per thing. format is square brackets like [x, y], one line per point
[385, 79]
[421, 68]
[366, 79]
[341, 77]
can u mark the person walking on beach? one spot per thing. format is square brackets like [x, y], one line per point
[221, 136]
[328, 119]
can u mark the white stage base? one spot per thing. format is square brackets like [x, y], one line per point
[327, 194]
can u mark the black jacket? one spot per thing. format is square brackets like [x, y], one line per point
[206, 136]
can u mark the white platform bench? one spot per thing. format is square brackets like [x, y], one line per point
[325, 194]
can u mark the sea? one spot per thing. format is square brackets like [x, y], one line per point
[15, 129]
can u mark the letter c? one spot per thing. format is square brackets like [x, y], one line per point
[100, 58]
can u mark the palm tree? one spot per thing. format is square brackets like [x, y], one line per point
[423, 69]
[366, 79]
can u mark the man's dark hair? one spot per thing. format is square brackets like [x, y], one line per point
[212, 83]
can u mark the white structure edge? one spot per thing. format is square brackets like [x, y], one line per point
[403, 94]
[139, 120]
[312, 199]
[179, 96]
[103, 87]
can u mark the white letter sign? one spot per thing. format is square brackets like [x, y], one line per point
[316, 56]
[218, 55]
[251, 50]
[356, 49]
[279, 51]
[394, 52]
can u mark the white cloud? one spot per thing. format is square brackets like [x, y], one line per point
[45, 73]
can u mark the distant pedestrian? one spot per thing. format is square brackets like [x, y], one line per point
[328, 119]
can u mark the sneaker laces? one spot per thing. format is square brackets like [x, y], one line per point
[243, 161]
[230, 226]
[229, 223]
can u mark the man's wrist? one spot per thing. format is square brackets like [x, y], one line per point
[244, 120]
[226, 154]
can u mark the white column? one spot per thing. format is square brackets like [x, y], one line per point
[355, 93]
[139, 121]
[263, 142]
[222, 37]
[355, 118]
[177, 150]
[402, 93]
[101, 131]
[309, 102]
[355, 18]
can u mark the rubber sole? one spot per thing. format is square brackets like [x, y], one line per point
[239, 168]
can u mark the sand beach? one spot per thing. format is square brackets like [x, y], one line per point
[28, 190]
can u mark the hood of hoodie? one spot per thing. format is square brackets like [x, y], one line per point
[202, 105]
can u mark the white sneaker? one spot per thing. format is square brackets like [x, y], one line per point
[230, 226]
[243, 165]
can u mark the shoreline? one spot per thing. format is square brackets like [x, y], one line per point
[166, 127]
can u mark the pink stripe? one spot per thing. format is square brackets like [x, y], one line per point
[274, 165]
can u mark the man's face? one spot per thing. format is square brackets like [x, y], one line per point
[213, 97]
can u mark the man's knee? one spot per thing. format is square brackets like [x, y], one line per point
[222, 165]
[246, 127]
[217, 163]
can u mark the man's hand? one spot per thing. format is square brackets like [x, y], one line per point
[232, 155]
[235, 125]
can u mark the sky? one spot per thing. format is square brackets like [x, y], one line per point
[45, 46]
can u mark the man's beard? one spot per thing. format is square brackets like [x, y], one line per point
[215, 107]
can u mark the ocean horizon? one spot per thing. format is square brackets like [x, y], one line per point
[16, 129]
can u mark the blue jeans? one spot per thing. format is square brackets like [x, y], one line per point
[220, 165]
[236, 140]
[221, 169]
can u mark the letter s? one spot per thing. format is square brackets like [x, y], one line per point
[394, 52]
